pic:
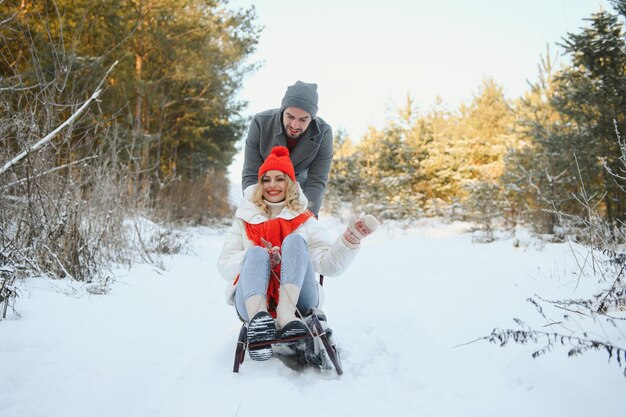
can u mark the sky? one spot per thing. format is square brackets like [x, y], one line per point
[367, 56]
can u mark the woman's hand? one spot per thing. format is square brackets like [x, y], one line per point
[274, 252]
[359, 229]
[275, 258]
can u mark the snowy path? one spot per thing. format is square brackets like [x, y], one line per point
[161, 343]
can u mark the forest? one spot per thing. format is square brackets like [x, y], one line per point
[127, 112]
[112, 111]
[552, 160]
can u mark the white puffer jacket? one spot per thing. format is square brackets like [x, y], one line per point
[329, 255]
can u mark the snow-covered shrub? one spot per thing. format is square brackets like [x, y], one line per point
[7, 291]
[167, 241]
[597, 321]
[63, 186]
[582, 327]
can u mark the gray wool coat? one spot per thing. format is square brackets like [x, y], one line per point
[311, 157]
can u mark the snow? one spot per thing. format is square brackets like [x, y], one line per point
[161, 342]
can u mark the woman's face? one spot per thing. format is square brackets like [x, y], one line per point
[274, 186]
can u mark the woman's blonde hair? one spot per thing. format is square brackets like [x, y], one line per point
[292, 197]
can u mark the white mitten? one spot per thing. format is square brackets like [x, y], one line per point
[358, 229]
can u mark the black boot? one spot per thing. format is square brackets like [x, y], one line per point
[295, 328]
[261, 328]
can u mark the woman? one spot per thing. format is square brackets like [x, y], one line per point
[272, 252]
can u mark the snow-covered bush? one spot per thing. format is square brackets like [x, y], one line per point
[8, 292]
[63, 186]
[597, 320]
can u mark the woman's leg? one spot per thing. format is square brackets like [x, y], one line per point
[251, 290]
[250, 301]
[298, 285]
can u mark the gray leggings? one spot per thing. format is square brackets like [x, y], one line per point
[296, 268]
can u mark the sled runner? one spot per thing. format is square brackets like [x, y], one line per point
[314, 348]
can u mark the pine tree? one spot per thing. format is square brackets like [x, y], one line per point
[390, 167]
[485, 137]
[591, 95]
[345, 177]
[538, 181]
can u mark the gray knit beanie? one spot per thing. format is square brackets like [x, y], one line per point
[301, 95]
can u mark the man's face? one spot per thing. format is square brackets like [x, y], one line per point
[295, 121]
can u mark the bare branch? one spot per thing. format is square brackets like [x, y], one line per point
[52, 134]
[23, 180]
[15, 88]
[8, 19]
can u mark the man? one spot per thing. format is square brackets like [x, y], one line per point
[309, 140]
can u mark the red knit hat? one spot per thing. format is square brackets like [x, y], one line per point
[279, 160]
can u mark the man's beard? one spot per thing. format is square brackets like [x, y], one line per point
[298, 133]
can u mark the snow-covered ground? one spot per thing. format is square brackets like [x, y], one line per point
[161, 343]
